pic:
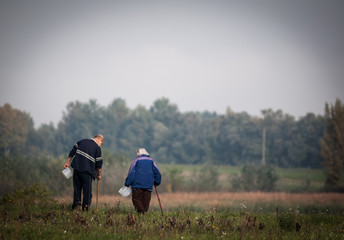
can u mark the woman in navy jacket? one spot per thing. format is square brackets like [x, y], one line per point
[143, 174]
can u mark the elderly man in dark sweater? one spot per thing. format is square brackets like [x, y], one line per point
[86, 158]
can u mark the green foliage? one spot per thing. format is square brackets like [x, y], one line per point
[24, 171]
[294, 180]
[332, 145]
[117, 221]
[206, 179]
[82, 120]
[287, 221]
[170, 136]
[115, 170]
[173, 180]
[306, 139]
[15, 127]
[35, 194]
[253, 178]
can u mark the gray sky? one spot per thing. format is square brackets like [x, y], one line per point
[201, 55]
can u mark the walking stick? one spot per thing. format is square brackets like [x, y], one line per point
[97, 192]
[157, 194]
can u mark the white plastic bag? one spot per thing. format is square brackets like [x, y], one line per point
[124, 191]
[67, 172]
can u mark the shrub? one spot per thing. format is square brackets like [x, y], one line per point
[253, 178]
[207, 179]
[173, 180]
[35, 194]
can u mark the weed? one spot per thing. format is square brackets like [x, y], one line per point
[43, 220]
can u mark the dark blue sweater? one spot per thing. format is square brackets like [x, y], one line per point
[87, 157]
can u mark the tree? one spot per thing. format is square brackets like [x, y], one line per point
[332, 145]
[305, 150]
[237, 139]
[14, 129]
[44, 138]
[281, 138]
[256, 178]
[114, 117]
[133, 132]
[82, 120]
[165, 112]
[189, 145]
[166, 119]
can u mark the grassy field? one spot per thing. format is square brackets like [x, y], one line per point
[290, 180]
[298, 210]
[266, 202]
[32, 213]
[117, 220]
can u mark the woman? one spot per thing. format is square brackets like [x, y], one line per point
[143, 174]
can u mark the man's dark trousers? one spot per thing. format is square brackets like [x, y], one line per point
[82, 182]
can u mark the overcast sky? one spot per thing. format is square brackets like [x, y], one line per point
[201, 55]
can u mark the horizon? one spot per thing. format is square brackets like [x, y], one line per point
[55, 123]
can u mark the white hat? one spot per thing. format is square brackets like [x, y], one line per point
[142, 151]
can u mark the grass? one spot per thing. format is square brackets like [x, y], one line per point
[254, 201]
[292, 173]
[298, 211]
[302, 173]
[119, 221]
[188, 178]
[31, 213]
[225, 169]
[290, 180]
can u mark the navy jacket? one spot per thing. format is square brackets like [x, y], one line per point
[87, 156]
[143, 174]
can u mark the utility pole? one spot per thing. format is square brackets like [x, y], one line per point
[263, 147]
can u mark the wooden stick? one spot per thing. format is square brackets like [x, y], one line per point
[97, 192]
[157, 194]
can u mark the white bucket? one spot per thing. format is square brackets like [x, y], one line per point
[67, 172]
[125, 191]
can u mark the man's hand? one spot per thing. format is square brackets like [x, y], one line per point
[99, 176]
[67, 164]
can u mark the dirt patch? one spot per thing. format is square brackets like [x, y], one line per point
[172, 200]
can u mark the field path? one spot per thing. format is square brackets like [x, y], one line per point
[172, 200]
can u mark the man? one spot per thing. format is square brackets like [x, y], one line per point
[143, 174]
[87, 164]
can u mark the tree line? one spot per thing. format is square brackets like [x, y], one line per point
[169, 135]
[30, 155]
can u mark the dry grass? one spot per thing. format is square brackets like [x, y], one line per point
[206, 200]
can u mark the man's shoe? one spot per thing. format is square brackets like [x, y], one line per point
[76, 205]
